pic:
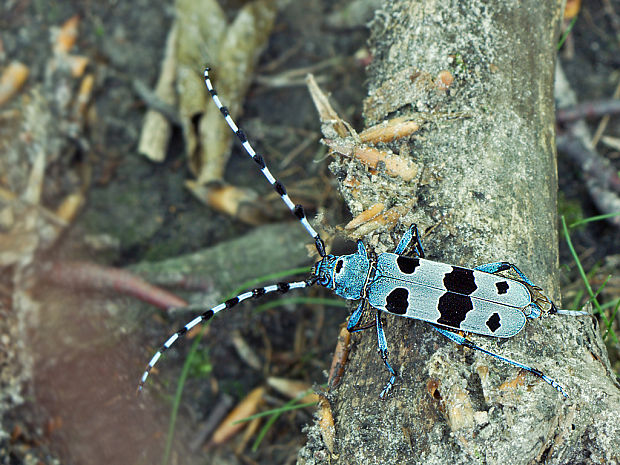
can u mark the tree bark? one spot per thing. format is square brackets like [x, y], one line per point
[487, 188]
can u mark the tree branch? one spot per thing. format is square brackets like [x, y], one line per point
[487, 188]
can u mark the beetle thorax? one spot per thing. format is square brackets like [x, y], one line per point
[345, 274]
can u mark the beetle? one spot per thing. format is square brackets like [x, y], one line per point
[451, 298]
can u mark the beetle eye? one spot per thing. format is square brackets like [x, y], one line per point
[339, 266]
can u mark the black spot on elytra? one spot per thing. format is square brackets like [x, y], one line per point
[396, 301]
[493, 323]
[453, 309]
[460, 280]
[502, 287]
[338, 266]
[407, 264]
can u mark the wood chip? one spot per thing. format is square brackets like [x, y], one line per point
[12, 80]
[293, 389]
[247, 407]
[326, 424]
[395, 165]
[67, 35]
[156, 129]
[339, 360]
[397, 128]
[365, 216]
[385, 220]
[70, 207]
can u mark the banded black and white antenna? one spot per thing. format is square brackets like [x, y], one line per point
[297, 210]
[207, 315]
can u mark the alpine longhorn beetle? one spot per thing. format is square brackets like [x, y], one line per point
[450, 298]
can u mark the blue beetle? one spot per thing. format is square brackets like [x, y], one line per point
[450, 298]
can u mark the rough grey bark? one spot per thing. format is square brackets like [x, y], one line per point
[487, 185]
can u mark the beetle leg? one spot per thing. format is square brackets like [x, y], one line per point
[496, 267]
[383, 351]
[355, 323]
[461, 340]
[410, 234]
